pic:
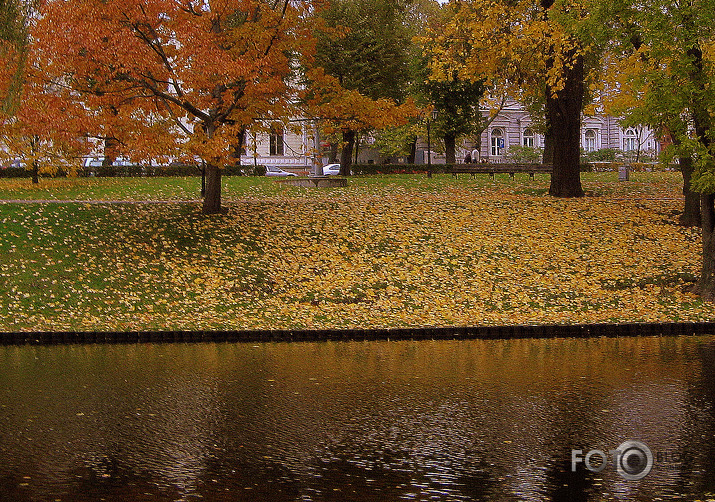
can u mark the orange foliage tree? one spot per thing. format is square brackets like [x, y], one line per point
[39, 127]
[44, 132]
[347, 111]
[165, 78]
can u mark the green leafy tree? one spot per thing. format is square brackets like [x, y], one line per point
[455, 99]
[362, 67]
[664, 64]
[13, 49]
[638, 90]
[456, 102]
[395, 141]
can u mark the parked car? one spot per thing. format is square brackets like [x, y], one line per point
[97, 162]
[331, 169]
[17, 163]
[277, 171]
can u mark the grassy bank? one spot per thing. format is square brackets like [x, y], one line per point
[385, 251]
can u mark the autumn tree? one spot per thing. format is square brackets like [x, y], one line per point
[454, 98]
[45, 131]
[543, 48]
[38, 125]
[638, 89]
[164, 74]
[666, 61]
[360, 72]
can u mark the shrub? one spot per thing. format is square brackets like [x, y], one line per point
[135, 171]
[15, 172]
[524, 154]
[602, 155]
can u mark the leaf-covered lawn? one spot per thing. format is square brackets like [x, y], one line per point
[386, 251]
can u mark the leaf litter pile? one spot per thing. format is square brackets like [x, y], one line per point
[371, 255]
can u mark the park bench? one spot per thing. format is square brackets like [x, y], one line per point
[492, 169]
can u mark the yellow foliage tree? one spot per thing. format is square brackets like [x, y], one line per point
[535, 49]
[663, 73]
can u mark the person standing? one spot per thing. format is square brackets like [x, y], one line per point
[475, 155]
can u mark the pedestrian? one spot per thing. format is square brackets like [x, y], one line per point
[468, 158]
[475, 155]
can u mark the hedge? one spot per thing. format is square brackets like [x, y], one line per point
[135, 171]
[416, 168]
[364, 169]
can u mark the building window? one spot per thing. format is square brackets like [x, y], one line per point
[529, 138]
[590, 143]
[630, 141]
[276, 141]
[497, 142]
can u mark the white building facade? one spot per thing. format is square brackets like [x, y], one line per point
[514, 126]
[297, 148]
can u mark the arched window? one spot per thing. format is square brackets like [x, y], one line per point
[276, 141]
[528, 138]
[590, 143]
[630, 141]
[497, 142]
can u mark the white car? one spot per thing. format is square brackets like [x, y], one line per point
[277, 171]
[331, 169]
[97, 162]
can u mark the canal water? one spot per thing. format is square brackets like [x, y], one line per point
[478, 420]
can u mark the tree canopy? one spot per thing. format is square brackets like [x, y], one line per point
[172, 78]
[456, 102]
[530, 49]
[360, 73]
[662, 74]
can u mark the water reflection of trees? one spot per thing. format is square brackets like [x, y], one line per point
[695, 450]
[475, 420]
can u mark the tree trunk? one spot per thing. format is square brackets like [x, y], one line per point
[347, 151]
[706, 284]
[691, 212]
[212, 197]
[111, 147]
[238, 148]
[413, 151]
[35, 173]
[203, 179]
[563, 108]
[211, 184]
[703, 126]
[449, 148]
[563, 116]
[548, 156]
[333, 157]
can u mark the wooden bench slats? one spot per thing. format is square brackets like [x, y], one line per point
[492, 169]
